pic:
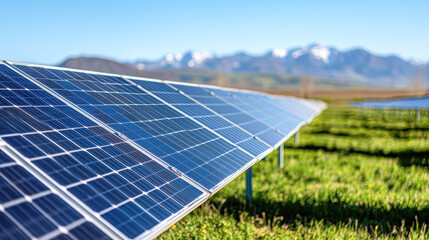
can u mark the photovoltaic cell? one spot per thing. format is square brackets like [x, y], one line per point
[261, 107]
[232, 113]
[29, 209]
[305, 110]
[204, 115]
[101, 170]
[177, 140]
[404, 103]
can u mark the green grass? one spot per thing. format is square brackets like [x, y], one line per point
[354, 176]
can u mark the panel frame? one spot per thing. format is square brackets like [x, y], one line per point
[262, 155]
[58, 190]
[167, 223]
[169, 83]
[227, 180]
[203, 86]
[286, 137]
[78, 205]
[89, 116]
[219, 186]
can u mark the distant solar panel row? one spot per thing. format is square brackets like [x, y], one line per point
[405, 103]
[131, 155]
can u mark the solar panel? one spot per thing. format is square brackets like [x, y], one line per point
[116, 183]
[179, 141]
[262, 108]
[29, 209]
[305, 110]
[232, 113]
[404, 103]
[87, 155]
[205, 116]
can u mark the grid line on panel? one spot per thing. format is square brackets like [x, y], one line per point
[197, 112]
[205, 116]
[166, 134]
[267, 117]
[298, 107]
[232, 113]
[255, 103]
[122, 118]
[281, 119]
[29, 209]
[88, 160]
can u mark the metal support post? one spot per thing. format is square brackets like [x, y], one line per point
[249, 190]
[418, 115]
[296, 139]
[281, 155]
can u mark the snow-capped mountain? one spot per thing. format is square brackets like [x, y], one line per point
[316, 52]
[316, 60]
[191, 59]
[278, 53]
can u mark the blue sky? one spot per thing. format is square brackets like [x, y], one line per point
[50, 31]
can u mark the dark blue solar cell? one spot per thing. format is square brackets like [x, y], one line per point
[23, 146]
[77, 138]
[137, 180]
[7, 192]
[14, 98]
[123, 185]
[91, 162]
[133, 211]
[39, 217]
[106, 135]
[57, 172]
[88, 231]
[75, 167]
[90, 197]
[43, 143]
[62, 237]
[4, 158]
[120, 156]
[32, 219]
[42, 114]
[204, 115]
[224, 105]
[10, 230]
[118, 218]
[106, 158]
[10, 125]
[125, 107]
[107, 190]
[92, 137]
[3, 101]
[160, 212]
[57, 209]
[88, 174]
[62, 141]
[26, 182]
[169, 204]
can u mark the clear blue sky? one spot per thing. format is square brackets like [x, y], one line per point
[50, 31]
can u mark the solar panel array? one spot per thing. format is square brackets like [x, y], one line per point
[404, 103]
[87, 155]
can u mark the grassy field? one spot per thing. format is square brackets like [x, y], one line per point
[353, 176]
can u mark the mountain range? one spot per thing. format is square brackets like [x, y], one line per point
[329, 65]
